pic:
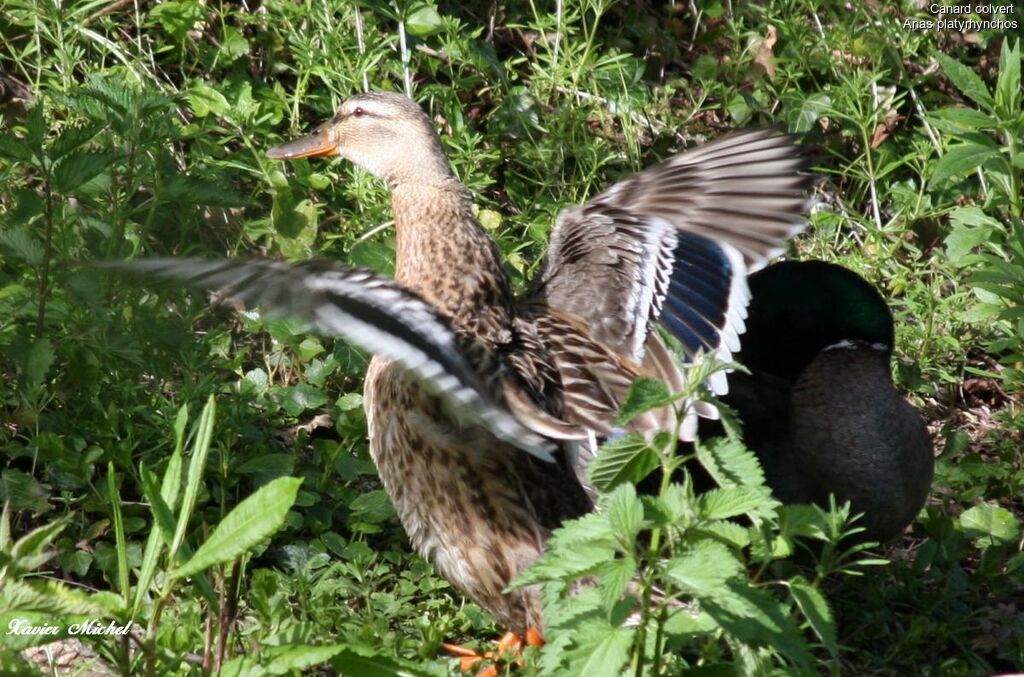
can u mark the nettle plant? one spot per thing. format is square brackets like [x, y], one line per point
[984, 159]
[652, 583]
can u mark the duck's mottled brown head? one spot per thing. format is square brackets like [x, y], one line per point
[386, 134]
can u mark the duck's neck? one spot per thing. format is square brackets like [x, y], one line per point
[445, 256]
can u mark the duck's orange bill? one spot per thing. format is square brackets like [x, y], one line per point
[314, 145]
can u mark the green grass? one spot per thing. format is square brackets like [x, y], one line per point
[145, 135]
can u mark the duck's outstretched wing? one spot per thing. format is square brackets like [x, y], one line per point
[675, 242]
[365, 308]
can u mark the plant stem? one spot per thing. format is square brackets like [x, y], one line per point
[44, 273]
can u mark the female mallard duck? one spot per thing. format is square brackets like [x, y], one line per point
[819, 406]
[483, 407]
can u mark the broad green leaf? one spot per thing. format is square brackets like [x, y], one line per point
[372, 507]
[20, 243]
[816, 610]
[754, 617]
[730, 463]
[704, 568]
[730, 533]
[251, 521]
[38, 362]
[77, 169]
[601, 652]
[732, 501]
[13, 148]
[991, 522]
[627, 458]
[177, 17]
[615, 576]
[971, 228]
[966, 80]
[423, 21]
[24, 491]
[645, 394]
[205, 100]
[960, 159]
[625, 512]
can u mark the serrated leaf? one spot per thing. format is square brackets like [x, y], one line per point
[754, 617]
[627, 458]
[252, 521]
[601, 651]
[615, 577]
[960, 159]
[992, 522]
[730, 463]
[19, 243]
[704, 568]
[730, 533]
[816, 610]
[726, 502]
[77, 169]
[645, 394]
[966, 80]
[625, 512]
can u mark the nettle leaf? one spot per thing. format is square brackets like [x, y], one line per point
[645, 394]
[615, 576]
[13, 148]
[730, 533]
[79, 168]
[628, 458]
[730, 463]
[815, 609]
[726, 502]
[966, 80]
[960, 159]
[22, 244]
[754, 617]
[625, 512]
[991, 523]
[601, 650]
[704, 568]
[252, 521]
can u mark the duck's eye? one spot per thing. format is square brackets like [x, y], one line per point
[358, 112]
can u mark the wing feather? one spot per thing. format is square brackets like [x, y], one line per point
[365, 308]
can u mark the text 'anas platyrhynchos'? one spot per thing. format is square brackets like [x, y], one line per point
[483, 407]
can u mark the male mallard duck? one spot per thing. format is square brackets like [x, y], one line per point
[819, 406]
[483, 407]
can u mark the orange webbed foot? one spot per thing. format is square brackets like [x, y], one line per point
[508, 650]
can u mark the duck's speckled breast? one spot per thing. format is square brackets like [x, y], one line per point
[458, 492]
